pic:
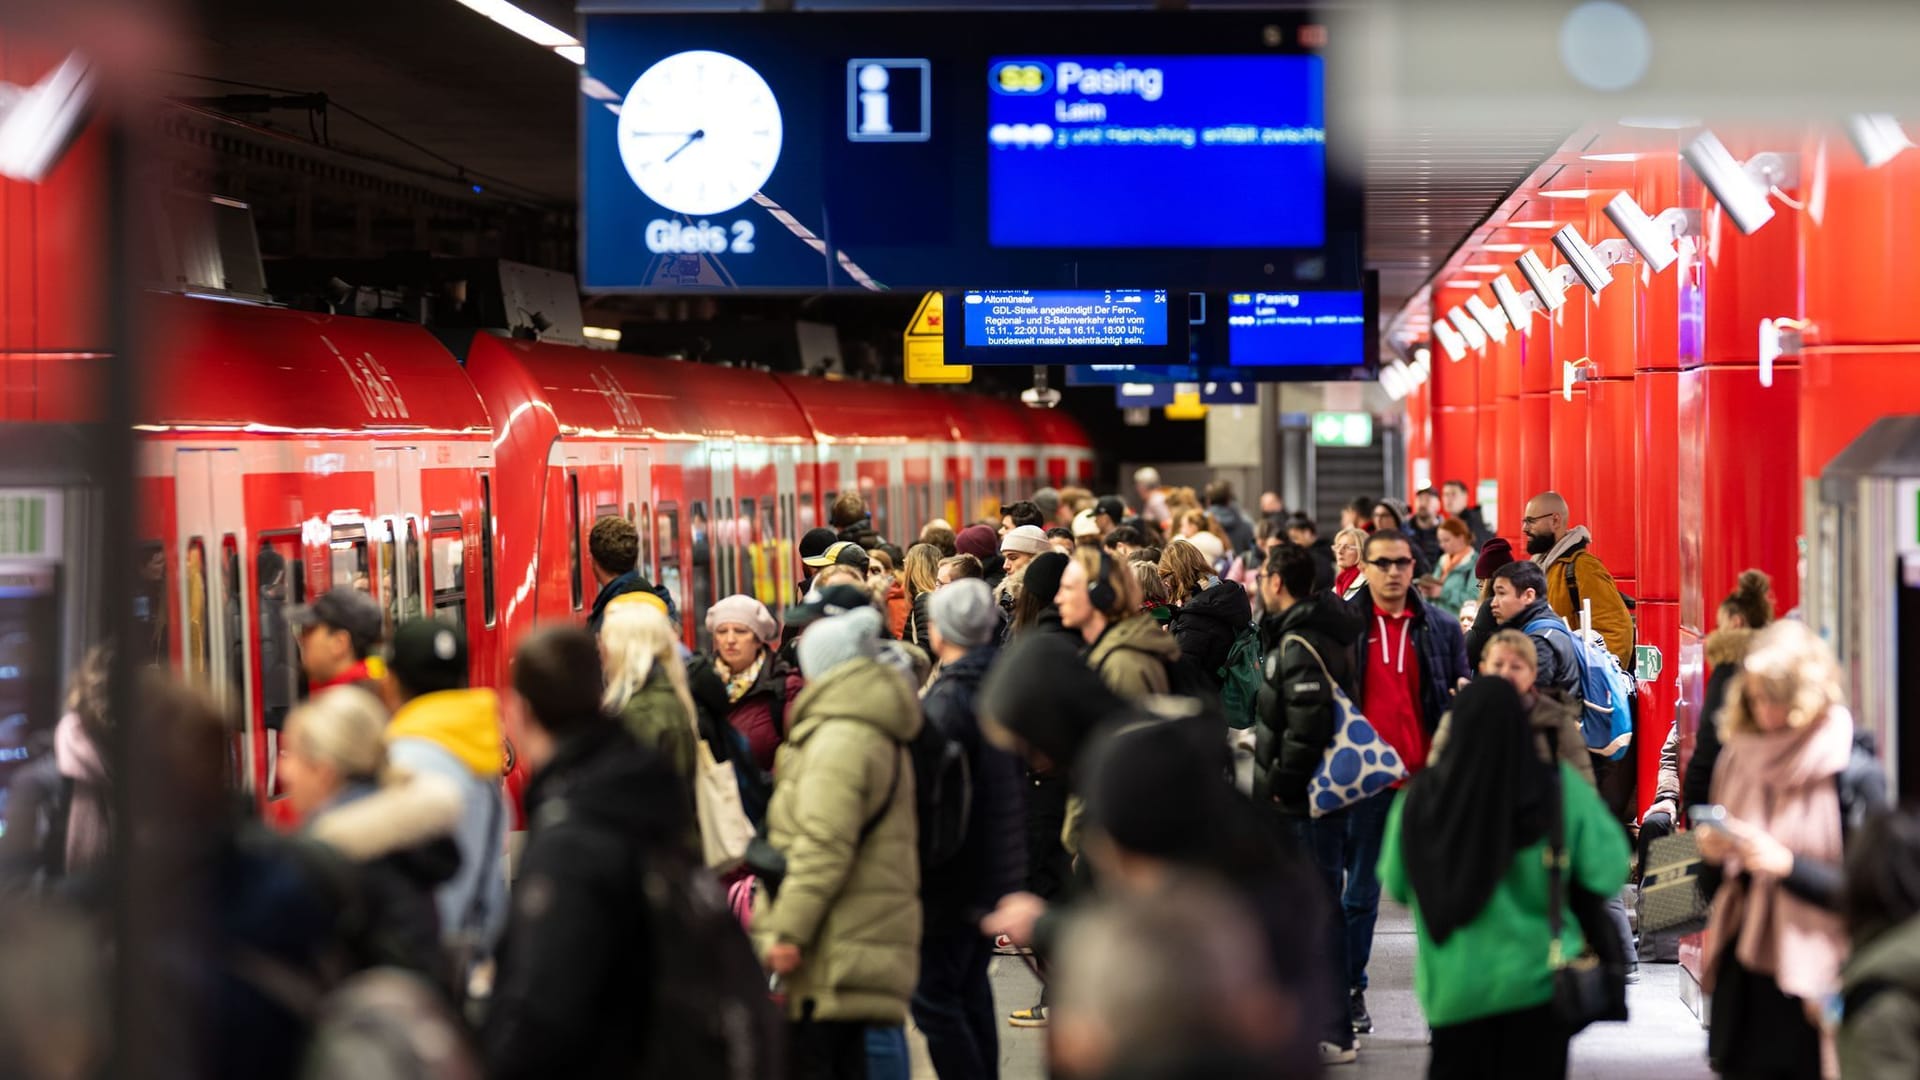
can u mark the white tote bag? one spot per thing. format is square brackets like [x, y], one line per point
[725, 828]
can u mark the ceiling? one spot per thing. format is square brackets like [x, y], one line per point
[470, 95]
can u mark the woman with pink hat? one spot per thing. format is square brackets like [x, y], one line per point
[760, 687]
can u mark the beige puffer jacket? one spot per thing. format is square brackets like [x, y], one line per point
[853, 907]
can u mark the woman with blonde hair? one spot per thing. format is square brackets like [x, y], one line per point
[646, 686]
[1348, 543]
[395, 827]
[922, 576]
[1794, 782]
[1210, 611]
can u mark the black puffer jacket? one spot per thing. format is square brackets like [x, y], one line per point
[1206, 626]
[1296, 717]
[919, 621]
[992, 862]
[576, 967]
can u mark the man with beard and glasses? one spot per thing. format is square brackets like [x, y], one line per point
[1574, 574]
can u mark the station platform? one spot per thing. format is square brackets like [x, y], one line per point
[1662, 1039]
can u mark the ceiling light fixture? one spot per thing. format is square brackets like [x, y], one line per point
[1518, 305]
[1877, 137]
[1610, 157]
[1567, 193]
[1536, 223]
[1549, 286]
[1653, 237]
[1504, 249]
[531, 27]
[1740, 187]
[1481, 268]
[1469, 329]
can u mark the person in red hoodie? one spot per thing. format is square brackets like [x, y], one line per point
[1409, 658]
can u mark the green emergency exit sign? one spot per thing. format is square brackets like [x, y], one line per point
[23, 524]
[1347, 429]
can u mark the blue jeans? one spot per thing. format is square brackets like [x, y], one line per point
[1324, 842]
[1360, 901]
[887, 1053]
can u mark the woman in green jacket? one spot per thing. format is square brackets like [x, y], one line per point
[646, 684]
[1458, 586]
[1466, 847]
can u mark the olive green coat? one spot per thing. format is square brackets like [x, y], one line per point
[1132, 657]
[657, 720]
[852, 907]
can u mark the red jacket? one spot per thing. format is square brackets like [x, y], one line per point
[753, 715]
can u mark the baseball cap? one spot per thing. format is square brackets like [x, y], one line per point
[344, 609]
[828, 602]
[428, 655]
[1084, 525]
[840, 553]
[813, 547]
[1112, 506]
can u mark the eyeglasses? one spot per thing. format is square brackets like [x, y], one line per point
[1527, 522]
[1388, 566]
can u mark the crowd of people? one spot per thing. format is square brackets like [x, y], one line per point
[1168, 753]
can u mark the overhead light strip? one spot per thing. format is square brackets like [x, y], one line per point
[531, 27]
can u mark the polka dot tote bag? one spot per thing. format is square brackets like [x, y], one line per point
[1358, 762]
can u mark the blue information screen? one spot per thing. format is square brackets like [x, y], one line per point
[1156, 152]
[1033, 319]
[1285, 329]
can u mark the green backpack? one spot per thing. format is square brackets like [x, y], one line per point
[1240, 678]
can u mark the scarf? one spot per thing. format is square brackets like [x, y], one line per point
[738, 685]
[79, 761]
[1575, 537]
[1475, 808]
[1782, 782]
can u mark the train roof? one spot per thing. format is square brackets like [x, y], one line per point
[243, 366]
[596, 392]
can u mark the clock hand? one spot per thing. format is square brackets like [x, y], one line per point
[691, 139]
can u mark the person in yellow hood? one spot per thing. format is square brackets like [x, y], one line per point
[440, 727]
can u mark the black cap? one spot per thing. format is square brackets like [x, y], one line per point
[344, 609]
[428, 655]
[815, 544]
[1111, 506]
[833, 600]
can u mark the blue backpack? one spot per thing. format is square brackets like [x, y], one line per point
[1605, 690]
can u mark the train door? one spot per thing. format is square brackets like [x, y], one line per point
[214, 612]
[636, 479]
[397, 551]
[719, 534]
[39, 530]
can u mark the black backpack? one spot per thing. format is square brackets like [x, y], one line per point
[711, 1016]
[943, 794]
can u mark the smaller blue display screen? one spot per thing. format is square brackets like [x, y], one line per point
[1287, 329]
[1088, 318]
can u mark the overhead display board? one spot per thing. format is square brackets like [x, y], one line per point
[1061, 150]
[1075, 326]
[1286, 329]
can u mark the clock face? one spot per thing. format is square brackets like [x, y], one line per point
[700, 132]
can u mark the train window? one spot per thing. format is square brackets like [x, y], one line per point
[606, 510]
[232, 611]
[729, 549]
[667, 526]
[279, 578]
[199, 646]
[150, 612]
[389, 579]
[411, 602]
[700, 561]
[486, 548]
[449, 553]
[348, 558]
[573, 539]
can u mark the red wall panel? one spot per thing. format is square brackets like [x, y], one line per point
[1861, 275]
[1749, 506]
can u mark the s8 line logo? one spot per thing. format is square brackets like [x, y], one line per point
[1020, 77]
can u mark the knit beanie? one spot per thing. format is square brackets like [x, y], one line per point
[1494, 554]
[744, 611]
[1043, 574]
[964, 613]
[977, 541]
[833, 641]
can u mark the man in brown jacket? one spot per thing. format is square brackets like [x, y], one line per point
[1574, 574]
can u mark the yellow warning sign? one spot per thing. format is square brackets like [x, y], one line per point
[925, 345]
[1186, 403]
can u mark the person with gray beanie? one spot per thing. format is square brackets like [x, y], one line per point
[953, 1002]
[840, 922]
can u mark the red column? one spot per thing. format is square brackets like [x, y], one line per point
[1456, 419]
[1565, 341]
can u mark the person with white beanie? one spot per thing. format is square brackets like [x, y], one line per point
[1017, 548]
[838, 921]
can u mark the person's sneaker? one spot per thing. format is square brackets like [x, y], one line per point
[1035, 1017]
[1357, 1008]
[1331, 1054]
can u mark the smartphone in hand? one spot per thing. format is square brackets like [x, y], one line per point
[1710, 815]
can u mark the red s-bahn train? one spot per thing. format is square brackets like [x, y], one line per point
[282, 453]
